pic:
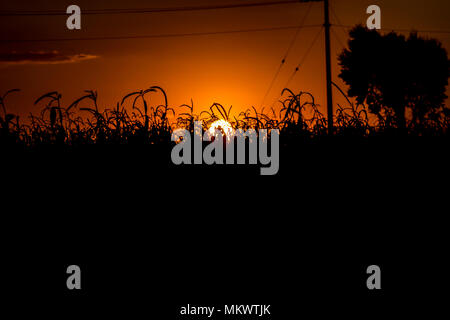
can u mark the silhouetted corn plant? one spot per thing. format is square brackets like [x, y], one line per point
[141, 122]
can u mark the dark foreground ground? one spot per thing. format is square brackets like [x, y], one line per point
[151, 237]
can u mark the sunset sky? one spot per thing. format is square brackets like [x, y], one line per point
[232, 69]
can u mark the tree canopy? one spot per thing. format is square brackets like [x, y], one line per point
[391, 73]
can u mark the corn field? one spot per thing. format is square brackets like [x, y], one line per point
[133, 120]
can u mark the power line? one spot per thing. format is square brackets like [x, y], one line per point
[170, 35]
[303, 59]
[398, 30]
[149, 10]
[341, 25]
[341, 43]
[298, 30]
[333, 12]
[271, 83]
[283, 60]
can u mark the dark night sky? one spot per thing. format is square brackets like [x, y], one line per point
[233, 69]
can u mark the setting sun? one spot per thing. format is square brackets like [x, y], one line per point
[222, 125]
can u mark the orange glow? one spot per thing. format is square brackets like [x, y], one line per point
[222, 125]
[234, 69]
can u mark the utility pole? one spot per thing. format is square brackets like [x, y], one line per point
[327, 26]
[328, 67]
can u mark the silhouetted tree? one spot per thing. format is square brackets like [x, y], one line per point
[390, 73]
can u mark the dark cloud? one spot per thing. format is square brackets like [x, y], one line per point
[42, 57]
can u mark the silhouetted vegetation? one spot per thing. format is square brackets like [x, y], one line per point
[386, 75]
[134, 121]
[392, 74]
